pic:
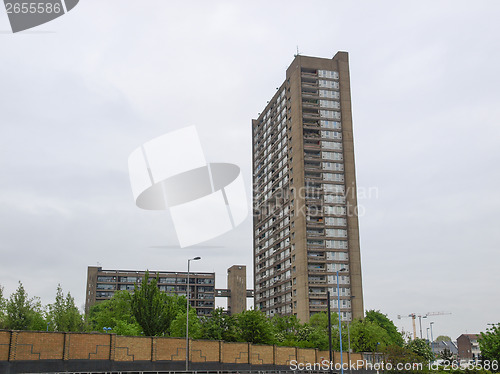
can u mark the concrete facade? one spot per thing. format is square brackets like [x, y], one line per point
[102, 284]
[305, 200]
[237, 284]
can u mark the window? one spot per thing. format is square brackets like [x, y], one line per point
[333, 156]
[335, 221]
[337, 233]
[329, 104]
[129, 279]
[105, 279]
[337, 256]
[334, 188]
[104, 294]
[329, 114]
[337, 210]
[329, 94]
[126, 287]
[333, 165]
[105, 286]
[331, 135]
[333, 177]
[336, 244]
[328, 84]
[328, 74]
[330, 124]
[334, 199]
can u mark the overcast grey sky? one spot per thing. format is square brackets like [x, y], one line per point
[77, 95]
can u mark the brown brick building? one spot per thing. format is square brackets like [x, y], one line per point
[468, 347]
[305, 200]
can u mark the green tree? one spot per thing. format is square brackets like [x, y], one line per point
[286, 329]
[254, 327]
[23, 313]
[489, 343]
[219, 326]
[443, 338]
[446, 354]
[3, 303]
[394, 354]
[115, 313]
[178, 325]
[368, 336]
[154, 310]
[63, 314]
[383, 321]
[314, 334]
[421, 348]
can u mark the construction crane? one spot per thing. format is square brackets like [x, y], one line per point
[420, 316]
[413, 316]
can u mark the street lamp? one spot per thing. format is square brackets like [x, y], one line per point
[187, 313]
[340, 325]
[420, 321]
[329, 330]
[432, 339]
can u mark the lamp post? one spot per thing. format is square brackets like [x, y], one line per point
[420, 321]
[348, 346]
[340, 324]
[432, 339]
[187, 313]
[329, 331]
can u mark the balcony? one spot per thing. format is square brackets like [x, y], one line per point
[310, 103]
[311, 123]
[317, 303]
[311, 134]
[312, 175]
[317, 294]
[313, 165]
[312, 144]
[315, 268]
[311, 154]
[314, 221]
[315, 232]
[309, 83]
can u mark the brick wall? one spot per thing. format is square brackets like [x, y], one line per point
[169, 349]
[262, 355]
[205, 351]
[283, 355]
[234, 353]
[28, 346]
[37, 346]
[4, 345]
[129, 348]
[88, 346]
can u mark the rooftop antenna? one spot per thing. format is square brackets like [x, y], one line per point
[297, 52]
